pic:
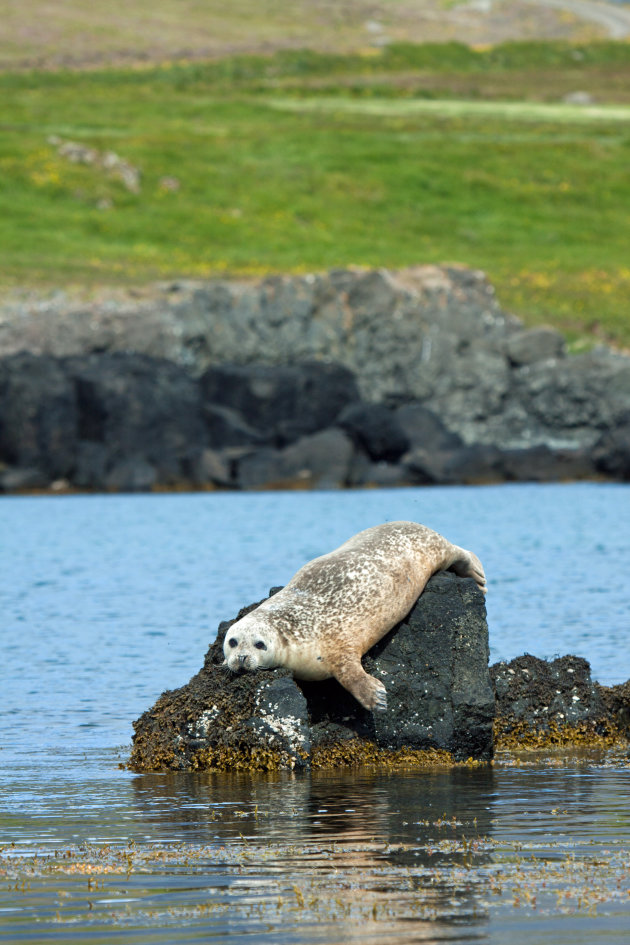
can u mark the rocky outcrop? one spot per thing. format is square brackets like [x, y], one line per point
[543, 704]
[434, 665]
[345, 378]
[444, 704]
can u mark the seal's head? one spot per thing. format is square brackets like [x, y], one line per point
[249, 644]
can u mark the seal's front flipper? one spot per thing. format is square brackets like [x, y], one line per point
[367, 690]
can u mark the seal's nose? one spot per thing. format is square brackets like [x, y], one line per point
[241, 660]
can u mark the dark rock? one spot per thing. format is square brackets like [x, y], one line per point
[227, 428]
[363, 472]
[617, 702]
[132, 474]
[138, 407]
[375, 430]
[541, 464]
[554, 700]
[434, 665]
[221, 720]
[537, 344]
[91, 465]
[565, 404]
[212, 466]
[465, 464]
[425, 430]
[38, 416]
[16, 479]
[320, 461]
[283, 403]
[611, 453]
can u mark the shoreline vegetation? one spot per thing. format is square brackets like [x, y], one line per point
[511, 159]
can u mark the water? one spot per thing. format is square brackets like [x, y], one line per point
[107, 600]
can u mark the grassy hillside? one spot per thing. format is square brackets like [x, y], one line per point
[38, 33]
[304, 161]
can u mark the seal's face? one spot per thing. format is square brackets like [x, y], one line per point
[248, 645]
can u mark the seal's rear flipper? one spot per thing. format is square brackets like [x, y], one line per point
[469, 565]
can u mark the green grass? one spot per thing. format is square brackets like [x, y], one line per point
[294, 178]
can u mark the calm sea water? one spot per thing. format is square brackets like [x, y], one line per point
[105, 601]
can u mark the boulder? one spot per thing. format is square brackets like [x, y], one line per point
[375, 430]
[542, 464]
[542, 703]
[320, 461]
[281, 403]
[213, 467]
[434, 665]
[38, 418]
[537, 344]
[364, 472]
[424, 429]
[131, 474]
[464, 464]
[227, 428]
[20, 478]
[611, 453]
[141, 411]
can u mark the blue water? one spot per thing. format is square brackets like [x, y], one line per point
[105, 601]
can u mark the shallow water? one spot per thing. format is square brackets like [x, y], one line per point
[107, 600]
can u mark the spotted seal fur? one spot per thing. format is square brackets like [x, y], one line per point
[339, 605]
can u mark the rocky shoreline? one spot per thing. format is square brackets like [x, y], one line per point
[348, 378]
[445, 706]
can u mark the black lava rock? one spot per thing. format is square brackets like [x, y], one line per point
[284, 402]
[434, 665]
[38, 419]
[375, 430]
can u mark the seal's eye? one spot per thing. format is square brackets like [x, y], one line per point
[260, 645]
[232, 642]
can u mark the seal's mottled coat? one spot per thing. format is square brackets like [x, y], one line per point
[339, 605]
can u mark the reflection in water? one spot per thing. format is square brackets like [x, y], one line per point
[461, 855]
[107, 600]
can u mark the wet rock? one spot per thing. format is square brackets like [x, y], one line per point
[546, 703]
[434, 665]
[220, 720]
[617, 702]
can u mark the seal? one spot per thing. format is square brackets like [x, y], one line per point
[339, 605]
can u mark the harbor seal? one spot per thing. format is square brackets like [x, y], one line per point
[339, 605]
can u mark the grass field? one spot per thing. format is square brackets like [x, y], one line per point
[302, 162]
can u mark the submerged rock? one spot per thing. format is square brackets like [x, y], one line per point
[434, 665]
